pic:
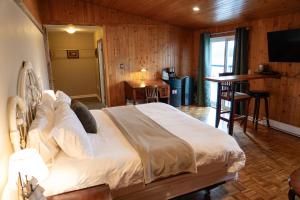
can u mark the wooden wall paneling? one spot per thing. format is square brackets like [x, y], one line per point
[83, 12]
[131, 40]
[212, 12]
[145, 46]
[285, 92]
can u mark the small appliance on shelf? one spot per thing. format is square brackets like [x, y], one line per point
[168, 73]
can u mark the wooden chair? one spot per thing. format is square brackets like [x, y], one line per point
[151, 94]
[239, 97]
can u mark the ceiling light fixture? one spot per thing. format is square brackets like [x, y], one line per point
[196, 9]
[71, 29]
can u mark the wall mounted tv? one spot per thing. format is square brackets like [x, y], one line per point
[284, 46]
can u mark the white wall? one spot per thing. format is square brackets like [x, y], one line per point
[73, 76]
[19, 40]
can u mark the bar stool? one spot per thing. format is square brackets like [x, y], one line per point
[257, 95]
[239, 97]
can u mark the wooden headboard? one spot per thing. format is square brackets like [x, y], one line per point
[22, 108]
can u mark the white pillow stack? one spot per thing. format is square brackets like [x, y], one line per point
[57, 127]
[70, 134]
[39, 135]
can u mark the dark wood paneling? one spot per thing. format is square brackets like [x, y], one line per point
[285, 92]
[84, 12]
[136, 42]
[212, 12]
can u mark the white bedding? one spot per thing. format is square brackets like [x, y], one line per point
[118, 164]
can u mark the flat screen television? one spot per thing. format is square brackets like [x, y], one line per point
[284, 46]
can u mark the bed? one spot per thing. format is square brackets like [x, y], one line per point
[218, 157]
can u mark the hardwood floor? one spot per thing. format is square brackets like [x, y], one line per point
[271, 157]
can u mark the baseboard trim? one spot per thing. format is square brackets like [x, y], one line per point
[85, 96]
[280, 126]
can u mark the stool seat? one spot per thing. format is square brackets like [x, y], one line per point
[259, 93]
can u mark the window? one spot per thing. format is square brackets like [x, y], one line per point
[221, 59]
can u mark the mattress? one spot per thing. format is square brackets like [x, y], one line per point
[117, 163]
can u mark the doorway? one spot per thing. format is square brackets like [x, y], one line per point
[77, 62]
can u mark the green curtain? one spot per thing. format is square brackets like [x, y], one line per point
[240, 59]
[204, 70]
[240, 56]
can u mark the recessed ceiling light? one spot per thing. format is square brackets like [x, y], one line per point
[196, 9]
[71, 29]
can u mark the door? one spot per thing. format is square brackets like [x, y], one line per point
[221, 59]
[101, 70]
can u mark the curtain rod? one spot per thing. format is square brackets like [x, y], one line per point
[221, 33]
[225, 32]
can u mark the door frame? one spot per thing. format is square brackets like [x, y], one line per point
[102, 71]
[105, 58]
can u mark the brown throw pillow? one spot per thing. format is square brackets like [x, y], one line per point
[85, 116]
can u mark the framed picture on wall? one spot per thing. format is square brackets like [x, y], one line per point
[72, 54]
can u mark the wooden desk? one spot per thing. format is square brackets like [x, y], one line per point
[135, 90]
[234, 80]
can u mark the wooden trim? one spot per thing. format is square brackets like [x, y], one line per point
[106, 70]
[23, 7]
[48, 59]
[173, 187]
[283, 127]
[85, 96]
[222, 34]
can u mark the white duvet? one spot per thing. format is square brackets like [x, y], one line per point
[118, 164]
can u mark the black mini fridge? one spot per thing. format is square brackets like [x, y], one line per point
[176, 92]
[187, 90]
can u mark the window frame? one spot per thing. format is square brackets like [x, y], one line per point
[226, 39]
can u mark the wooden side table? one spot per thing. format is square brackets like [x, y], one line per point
[294, 182]
[99, 192]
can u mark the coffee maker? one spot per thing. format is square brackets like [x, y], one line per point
[168, 73]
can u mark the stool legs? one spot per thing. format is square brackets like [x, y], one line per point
[246, 115]
[257, 111]
[255, 108]
[267, 111]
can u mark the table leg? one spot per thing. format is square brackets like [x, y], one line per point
[134, 96]
[231, 118]
[218, 109]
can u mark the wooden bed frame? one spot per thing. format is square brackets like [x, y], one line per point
[22, 111]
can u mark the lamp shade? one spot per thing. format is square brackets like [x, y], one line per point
[27, 162]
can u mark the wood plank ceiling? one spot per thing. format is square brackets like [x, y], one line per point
[212, 12]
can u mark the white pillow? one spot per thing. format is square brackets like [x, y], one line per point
[51, 93]
[70, 134]
[39, 136]
[62, 97]
[46, 106]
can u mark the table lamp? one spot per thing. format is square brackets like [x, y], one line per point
[26, 170]
[143, 71]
